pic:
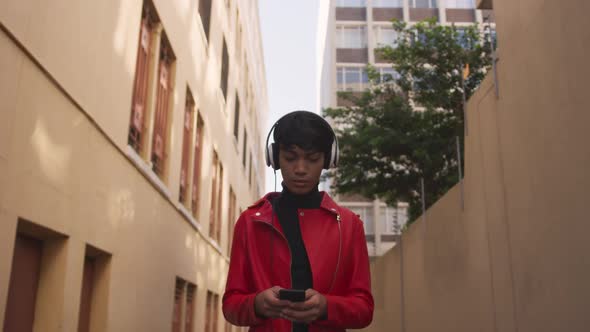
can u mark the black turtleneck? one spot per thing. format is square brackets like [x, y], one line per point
[286, 206]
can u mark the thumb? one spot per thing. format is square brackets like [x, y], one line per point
[309, 293]
[276, 290]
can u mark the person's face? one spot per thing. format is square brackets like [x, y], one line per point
[301, 169]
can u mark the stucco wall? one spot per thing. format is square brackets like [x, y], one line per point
[515, 259]
[67, 71]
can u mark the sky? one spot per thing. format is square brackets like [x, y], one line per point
[289, 31]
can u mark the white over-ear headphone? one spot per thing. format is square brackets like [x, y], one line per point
[272, 150]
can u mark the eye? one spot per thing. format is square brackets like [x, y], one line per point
[314, 157]
[289, 157]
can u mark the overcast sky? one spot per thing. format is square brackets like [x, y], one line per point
[289, 41]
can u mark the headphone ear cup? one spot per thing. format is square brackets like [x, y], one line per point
[335, 153]
[274, 156]
[331, 160]
[267, 156]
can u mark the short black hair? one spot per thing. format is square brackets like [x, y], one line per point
[306, 130]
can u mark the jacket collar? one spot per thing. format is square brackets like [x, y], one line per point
[262, 210]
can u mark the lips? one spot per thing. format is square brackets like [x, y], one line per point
[300, 183]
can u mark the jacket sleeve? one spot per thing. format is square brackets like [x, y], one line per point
[353, 309]
[238, 299]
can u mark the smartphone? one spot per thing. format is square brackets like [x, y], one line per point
[293, 295]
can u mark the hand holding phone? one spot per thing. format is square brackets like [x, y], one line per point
[267, 303]
[313, 306]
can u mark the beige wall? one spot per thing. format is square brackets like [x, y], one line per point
[65, 94]
[515, 259]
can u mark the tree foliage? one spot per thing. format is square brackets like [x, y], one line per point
[404, 127]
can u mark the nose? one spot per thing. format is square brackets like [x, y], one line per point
[300, 167]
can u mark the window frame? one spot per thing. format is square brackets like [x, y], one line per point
[216, 198]
[187, 148]
[460, 4]
[344, 40]
[211, 311]
[387, 71]
[143, 79]
[163, 107]
[190, 306]
[351, 3]
[379, 4]
[432, 4]
[344, 86]
[378, 32]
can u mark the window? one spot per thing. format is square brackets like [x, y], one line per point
[237, 117]
[189, 310]
[198, 158]
[351, 78]
[88, 276]
[350, 3]
[420, 38]
[231, 218]
[24, 280]
[366, 215]
[163, 98]
[385, 36]
[205, 12]
[224, 69]
[387, 74]
[491, 37]
[423, 4]
[462, 4]
[211, 313]
[137, 127]
[351, 37]
[184, 296]
[216, 190]
[244, 148]
[186, 146]
[388, 3]
[178, 299]
[94, 282]
[463, 38]
[162, 78]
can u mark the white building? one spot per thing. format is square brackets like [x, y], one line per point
[349, 31]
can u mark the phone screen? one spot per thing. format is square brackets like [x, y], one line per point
[293, 295]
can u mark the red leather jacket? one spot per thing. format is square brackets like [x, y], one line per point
[337, 251]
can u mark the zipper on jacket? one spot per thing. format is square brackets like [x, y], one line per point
[288, 247]
[290, 257]
[337, 215]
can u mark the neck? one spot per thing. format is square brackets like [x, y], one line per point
[310, 199]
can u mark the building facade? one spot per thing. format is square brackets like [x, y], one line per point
[130, 141]
[349, 33]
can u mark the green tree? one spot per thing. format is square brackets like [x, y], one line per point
[404, 127]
